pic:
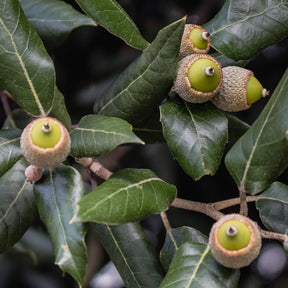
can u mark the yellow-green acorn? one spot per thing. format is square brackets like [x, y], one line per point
[195, 39]
[235, 241]
[45, 142]
[240, 89]
[198, 79]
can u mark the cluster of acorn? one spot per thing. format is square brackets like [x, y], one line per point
[200, 76]
[234, 240]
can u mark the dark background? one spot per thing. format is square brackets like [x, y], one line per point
[85, 64]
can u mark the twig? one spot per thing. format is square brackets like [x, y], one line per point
[94, 166]
[231, 202]
[204, 208]
[273, 235]
[168, 228]
[4, 98]
[243, 201]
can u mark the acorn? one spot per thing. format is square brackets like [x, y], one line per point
[240, 89]
[235, 241]
[195, 40]
[33, 174]
[45, 142]
[198, 79]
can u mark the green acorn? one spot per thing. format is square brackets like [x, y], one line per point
[45, 142]
[198, 79]
[195, 40]
[235, 241]
[240, 89]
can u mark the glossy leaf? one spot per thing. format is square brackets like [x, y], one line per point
[146, 82]
[193, 266]
[97, 135]
[19, 119]
[10, 151]
[241, 29]
[196, 135]
[134, 257]
[110, 15]
[26, 69]
[129, 195]
[56, 196]
[181, 235]
[17, 205]
[273, 207]
[53, 20]
[59, 109]
[260, 155]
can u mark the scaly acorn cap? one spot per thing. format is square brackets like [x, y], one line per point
[45, 142]
[240, 89]
[195, 40]
[235, 241]
[198, 79]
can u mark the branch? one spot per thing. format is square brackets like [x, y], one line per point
[231, 202]
[168, 228]
[273, 235]
[4, 98]
[95, 166]
[204, 208]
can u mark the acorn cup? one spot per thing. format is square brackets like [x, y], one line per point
[45, 142]
[198, 79]
[195, 40]
[235, 241]
[240, 89]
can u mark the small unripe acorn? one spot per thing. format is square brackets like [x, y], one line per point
[198, 79]
[235, 241]
[33, 173]
[195, 40]
[45, 142]
[240, 89]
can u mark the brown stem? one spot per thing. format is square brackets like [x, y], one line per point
[273, 235]
[168, 228]
[94, 166]
[231, 202]
[204, 208]
[243, 201]
[4, 98]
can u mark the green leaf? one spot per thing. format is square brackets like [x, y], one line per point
[10, 151]
[56, 196]
[260, 155]
[53, 20]
[26, 69]
[146, 82]
[241, 29]
[273, 208]
[59, 109]
[97, 135]
[196, 135]
[194, 266]
[129, 195]
[110, 15]
[17, 205]
[133, 255]
[181, 235]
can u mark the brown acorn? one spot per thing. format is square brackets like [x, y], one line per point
[240, 89]
[45, 142]
[235, 241]
[198, 79]
[195, 40]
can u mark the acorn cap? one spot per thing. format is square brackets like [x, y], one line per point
[182, 84]
[187, 46]
[45, 157]
[235, 258]
[232, 96]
